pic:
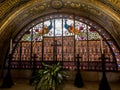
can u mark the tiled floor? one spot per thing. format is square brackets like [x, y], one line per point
[24, 85]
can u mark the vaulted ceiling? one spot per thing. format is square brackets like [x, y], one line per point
[16, 14]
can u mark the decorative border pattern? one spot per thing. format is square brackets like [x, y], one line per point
[56, 4]
[114, 4]
[9, 5]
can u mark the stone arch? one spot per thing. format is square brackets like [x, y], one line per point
[22, 16]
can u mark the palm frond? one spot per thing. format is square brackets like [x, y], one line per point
[50, 77]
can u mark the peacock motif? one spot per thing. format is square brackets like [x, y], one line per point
[72, 29]
[46, 29]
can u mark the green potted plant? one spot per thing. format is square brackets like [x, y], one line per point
[50, 77]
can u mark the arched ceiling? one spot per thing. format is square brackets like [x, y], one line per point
[16, 14]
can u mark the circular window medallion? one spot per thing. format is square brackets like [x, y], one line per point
[56, 4]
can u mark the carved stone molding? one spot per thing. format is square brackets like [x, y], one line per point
[115, 2]
[56, 4]
[7, 6]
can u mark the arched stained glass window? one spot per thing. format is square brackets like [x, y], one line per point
[80, 31]
[61, 37]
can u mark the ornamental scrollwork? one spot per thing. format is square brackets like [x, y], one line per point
[56, 4]
[85, 7]
[34, 10]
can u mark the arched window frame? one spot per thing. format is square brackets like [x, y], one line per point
[104, 34]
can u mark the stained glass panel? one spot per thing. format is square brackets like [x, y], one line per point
[27, 36]
[80, 30]
[76, 35]
[37, 32]
[92, 34]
